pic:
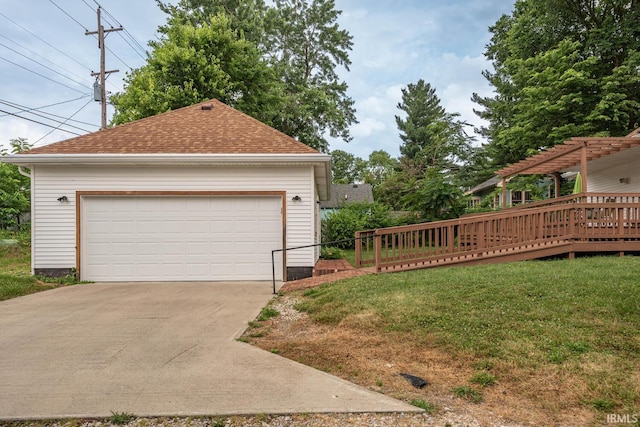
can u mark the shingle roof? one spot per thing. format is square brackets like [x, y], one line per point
[490, 183]
[209, 127]
[343, 194]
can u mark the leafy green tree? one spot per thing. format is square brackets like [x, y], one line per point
[274, 62]
[306, 46]
[245, 16]
[435, 196]
[191, 64]
[431, 136]
[379, 167]
[561, 69]
[346, 168]
[14, 187]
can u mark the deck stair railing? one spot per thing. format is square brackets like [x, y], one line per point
[595, 221]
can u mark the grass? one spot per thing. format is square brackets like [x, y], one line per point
[468, 393]
[350, 255]
[15, 267]
[483, 379]
[121, 418]
[428, 407]
[267, 313]
[576, 322]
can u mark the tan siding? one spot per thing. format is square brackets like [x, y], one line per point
[55, 222]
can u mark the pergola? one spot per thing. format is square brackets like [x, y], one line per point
[576, 151]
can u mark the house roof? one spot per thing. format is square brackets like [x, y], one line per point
[208, 133]
[490, 183]
[342, 194]
[564, 156]
[210, 127]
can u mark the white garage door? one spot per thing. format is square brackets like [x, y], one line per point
[173, 238]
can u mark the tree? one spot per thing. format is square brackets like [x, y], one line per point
[306, 46]
[191, 64]
[435, 196]
[432, 137]
[346, 168]
[379, 167]
[14, 188]
[276, 63]
[245, 16]
[562, 69]
[433, 150]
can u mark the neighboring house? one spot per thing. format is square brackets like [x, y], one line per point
[199, 193]
[481, 192]
[486, 192]
[344, 194]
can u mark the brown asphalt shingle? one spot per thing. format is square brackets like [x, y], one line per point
[189, 130]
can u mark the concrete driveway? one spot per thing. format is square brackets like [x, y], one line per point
[155, 349]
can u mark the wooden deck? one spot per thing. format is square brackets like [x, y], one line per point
[582, 223]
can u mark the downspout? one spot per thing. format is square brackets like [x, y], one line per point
[23, 172]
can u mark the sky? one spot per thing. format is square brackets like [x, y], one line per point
[47, 60]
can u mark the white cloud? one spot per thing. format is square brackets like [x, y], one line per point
[367, 127]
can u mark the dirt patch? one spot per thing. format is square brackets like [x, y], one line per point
[356, 352]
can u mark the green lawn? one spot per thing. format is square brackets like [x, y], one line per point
[576, 322]
[15, 269]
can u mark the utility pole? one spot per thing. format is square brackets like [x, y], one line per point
[102, 74]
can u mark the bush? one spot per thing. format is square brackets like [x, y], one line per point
[343, 224]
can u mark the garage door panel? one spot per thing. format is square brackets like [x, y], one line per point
[148, 238]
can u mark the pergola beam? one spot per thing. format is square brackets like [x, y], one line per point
[575, 151]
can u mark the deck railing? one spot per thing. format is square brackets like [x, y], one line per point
[584, 217]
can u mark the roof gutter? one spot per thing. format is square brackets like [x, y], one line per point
[164, 159]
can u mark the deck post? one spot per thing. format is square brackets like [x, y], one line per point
[358, 249]
[556, 179]
[378, 250]
[583, 166]
[504, 193]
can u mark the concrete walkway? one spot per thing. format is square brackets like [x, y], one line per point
[155, 349]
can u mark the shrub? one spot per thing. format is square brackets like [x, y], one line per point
[343, 224]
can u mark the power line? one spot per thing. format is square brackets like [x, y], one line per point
[44, 117]
[42, 65]
[118, 58]
[35, 121]
[67, 13]
[141, 51]
[51, 105]
[41, 75]
[27, 109]
[130, 45]
[58, 128]
[40, 56]
[138, 49]
[44, 41]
